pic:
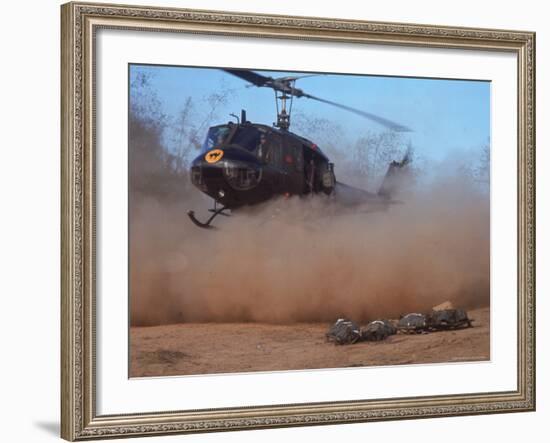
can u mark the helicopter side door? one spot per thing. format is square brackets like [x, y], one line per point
[272, 157]
[293, 165]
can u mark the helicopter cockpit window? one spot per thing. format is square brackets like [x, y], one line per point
[247, 138]
[216, 136]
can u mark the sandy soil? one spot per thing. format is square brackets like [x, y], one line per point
[207, 348]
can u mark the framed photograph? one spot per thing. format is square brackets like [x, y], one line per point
[277, 221]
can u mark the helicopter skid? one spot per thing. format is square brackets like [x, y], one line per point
[207, 224]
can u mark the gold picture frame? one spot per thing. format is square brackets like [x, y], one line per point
[80, 21]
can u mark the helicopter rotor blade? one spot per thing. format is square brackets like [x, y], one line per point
[284, 85]
[250, 76]
[296, 77]
[376, 118]
[278, 84]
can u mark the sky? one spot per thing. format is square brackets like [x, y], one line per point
[446, 115]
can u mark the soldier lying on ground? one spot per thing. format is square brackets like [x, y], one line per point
[343, 332]
[378, 330]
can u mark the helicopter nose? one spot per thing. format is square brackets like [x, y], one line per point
[242, 176]
[228, 173]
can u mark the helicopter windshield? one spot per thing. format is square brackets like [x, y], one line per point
[216, 136]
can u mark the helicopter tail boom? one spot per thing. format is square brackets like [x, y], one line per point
[394, 177]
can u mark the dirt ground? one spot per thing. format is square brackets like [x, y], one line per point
[208, 348]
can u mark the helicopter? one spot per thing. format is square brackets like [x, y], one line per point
[243, 163]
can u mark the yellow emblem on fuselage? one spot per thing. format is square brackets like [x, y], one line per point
[214, 155]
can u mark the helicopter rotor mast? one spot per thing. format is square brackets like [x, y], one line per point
[286, 86]
[283, 117]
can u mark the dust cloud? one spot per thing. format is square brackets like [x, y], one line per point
[297, 260]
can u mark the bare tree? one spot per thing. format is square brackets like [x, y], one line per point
[373, 152]
[162, 145]
[327, 134]
[483, 168]
[188, 128]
